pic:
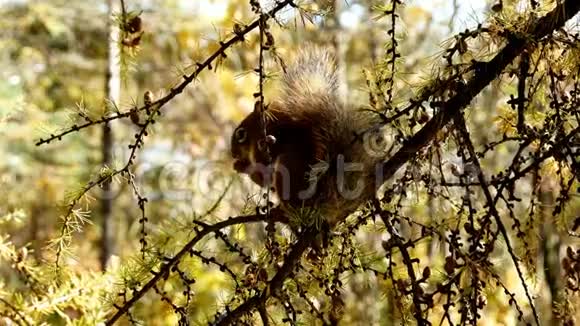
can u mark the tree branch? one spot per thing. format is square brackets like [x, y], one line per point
[166, 268]
[187, 79]
[305, 239]
[485, 73]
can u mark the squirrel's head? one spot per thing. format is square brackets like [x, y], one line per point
[248, 148]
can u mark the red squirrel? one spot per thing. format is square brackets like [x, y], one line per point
[307, 144]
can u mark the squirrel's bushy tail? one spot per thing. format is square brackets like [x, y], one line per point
[313, 74]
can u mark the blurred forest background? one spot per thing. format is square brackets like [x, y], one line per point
[78, 240]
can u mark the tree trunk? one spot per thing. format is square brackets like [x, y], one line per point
[112, 94]
[551, 249]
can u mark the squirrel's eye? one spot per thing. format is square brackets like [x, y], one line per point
[241, 135]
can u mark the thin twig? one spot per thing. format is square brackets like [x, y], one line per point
[176, 90]
[166, 267]
[16, 311]
[460, 123]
